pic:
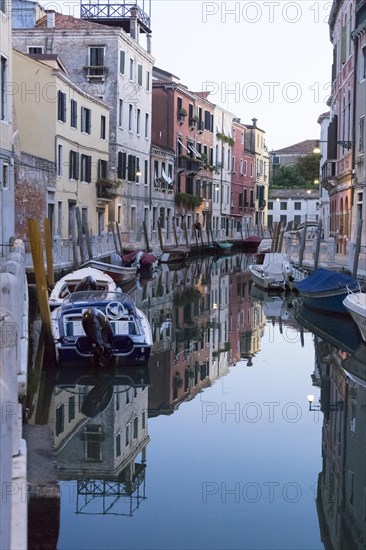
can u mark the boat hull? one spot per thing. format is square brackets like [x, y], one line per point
[118, 273]
[355, 303]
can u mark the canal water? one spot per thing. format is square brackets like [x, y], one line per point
[214, 445]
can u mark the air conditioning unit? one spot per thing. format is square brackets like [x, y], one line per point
[275, 160]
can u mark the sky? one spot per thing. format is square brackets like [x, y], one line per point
[265, 59]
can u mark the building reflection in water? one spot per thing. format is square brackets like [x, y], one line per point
[206, 318]
[100, 424]
[340, 370]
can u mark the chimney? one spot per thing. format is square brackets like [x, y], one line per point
[254, 120]
[51, 16]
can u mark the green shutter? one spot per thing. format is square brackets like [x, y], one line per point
[122, 62]
[344, 44]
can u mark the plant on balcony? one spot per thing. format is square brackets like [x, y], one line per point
[225, 139]
[187, 200]
[182, 112]
[195, 118]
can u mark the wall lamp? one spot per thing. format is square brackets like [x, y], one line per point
[344, 144]
[337, 406]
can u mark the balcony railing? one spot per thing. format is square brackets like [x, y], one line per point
[96, 71]
[106, 191]
[329, 170]
[189, 164]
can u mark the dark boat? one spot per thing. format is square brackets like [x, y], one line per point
[325, 290]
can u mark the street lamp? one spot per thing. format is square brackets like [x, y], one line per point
[344, 144]
[337, 406]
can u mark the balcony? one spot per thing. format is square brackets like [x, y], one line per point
[96, 72]
[106, 190]
[207, 205]
[329, 170]
[188, 164]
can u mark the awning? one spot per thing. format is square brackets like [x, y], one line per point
[198, 155]
[182, 144]
[166, 178]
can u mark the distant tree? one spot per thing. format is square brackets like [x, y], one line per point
[308, 167]
[288, 177]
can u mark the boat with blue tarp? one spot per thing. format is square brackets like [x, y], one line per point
[326, 289]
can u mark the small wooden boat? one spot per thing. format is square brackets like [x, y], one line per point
[113, 268]
[355, 303]
[174, 255]
[250, 244]
[141, 259]
[86, 278]
[100, 328]
[326, 289]
[221, 246]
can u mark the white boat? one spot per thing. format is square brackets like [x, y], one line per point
[87, 278]
[99, 328]
[118, 272]
[276, 272]
[355, 302]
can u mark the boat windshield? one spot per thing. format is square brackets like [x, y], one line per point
[89, 298]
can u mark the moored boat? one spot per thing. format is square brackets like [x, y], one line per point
[117, 272]
[355, 303]
[174, 255]
[326, 289]
[86, 278]
[275, 273]
[101, 327]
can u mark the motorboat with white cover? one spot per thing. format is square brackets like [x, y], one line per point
[86, 278]
[101, 327]
[276, 272]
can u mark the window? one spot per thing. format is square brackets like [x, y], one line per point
[61, 106]
[96, 60]
[283, 219]
[363, 61]
[74, 165]
[5, 176]
[148, 81]
[297, 205]
[121, 165]
[146, 172]
[137, 176]
[59, 218]
[35, 50]
[85, 174]
[131, 168]
[122, 57]
[59, 159]
[74, 113]
[103, 123]
[130, 111]
[135, 427]
[71, 408]
[102, 169]
[85, 120]
[118, 445]
[283, 205]
[270, 205]
[139, 75]
[138, 120]
[146, 125]
[297, 220]
[127, 435]
[2, 5]
[361, 143]
[120, 113]
[93, 436]
[3, 82]
[60, 417]
[143, 420]
[131, 70]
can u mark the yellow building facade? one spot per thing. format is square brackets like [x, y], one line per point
[61, 124]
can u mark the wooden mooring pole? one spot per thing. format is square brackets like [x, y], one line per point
[119, 239]
[49, 258]
[35, 240]
[317, 245]
[80, 234]
[146, 236]
[357, 248]
[303, 242]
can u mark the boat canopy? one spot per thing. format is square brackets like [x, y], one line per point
[325, 280]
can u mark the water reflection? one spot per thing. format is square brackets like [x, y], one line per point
[340, 372]
[206, 319]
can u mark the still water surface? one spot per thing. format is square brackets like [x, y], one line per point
[214, 445]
